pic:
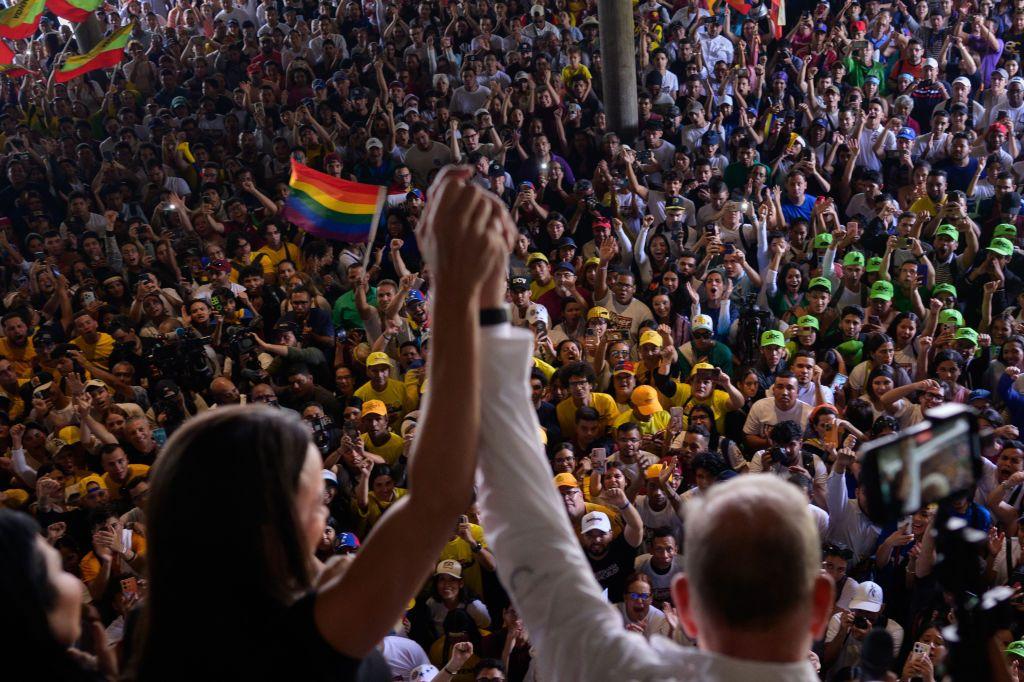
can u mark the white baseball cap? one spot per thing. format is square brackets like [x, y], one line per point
[867, 597]
[596, 520]
[374, 142]
[537, 9]
[702, 322]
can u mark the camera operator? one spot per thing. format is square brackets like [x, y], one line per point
[326, 432]
[172, 405]
[786, 456]
[289, 351]
[848, 628]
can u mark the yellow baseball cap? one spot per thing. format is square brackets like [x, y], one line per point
[566, 480]
[377, 359]
[374, 407]
[597, 312]
[90, 484]
[645, 398]
[652, 337]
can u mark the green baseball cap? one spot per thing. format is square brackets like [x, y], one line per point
[966, 334]
[808, 321]
[874, 264]
[1016, 648]
[944, 289]
[772, 337]
[822, 282]
[1005, 230]
[1002, 246]
[947, 230]
[950, 316]
[881, 289]
[854, 258]
[822, 241]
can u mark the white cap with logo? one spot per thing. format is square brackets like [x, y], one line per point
[595, 520]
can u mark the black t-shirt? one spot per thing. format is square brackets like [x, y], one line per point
[296, 650]
[612, 570]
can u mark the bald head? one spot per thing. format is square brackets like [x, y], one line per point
[753, 562]
[224, 391]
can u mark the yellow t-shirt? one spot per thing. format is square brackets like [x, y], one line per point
[21, 358]
[394, 396]
[719, 403]
[96, 352]
[271, 257]
[459, 550]
[90, 565]
[602, 402]
[656, 424]
[568, 73]
[925, 203]
[114, 490]
[390, 450]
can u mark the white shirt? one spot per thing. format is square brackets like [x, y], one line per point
[763, 414]
[848, 525]
[714, 50]
[576, 634]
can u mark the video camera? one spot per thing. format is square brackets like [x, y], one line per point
[939, 461]
[752, 323]
[182, 358]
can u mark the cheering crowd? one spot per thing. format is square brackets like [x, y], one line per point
[810, 240]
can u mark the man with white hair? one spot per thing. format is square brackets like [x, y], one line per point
[742, 536]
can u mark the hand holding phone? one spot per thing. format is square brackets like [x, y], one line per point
[599, 460]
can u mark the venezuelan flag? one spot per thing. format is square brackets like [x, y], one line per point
[331, 208]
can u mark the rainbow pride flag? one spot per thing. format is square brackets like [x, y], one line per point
[331, 208]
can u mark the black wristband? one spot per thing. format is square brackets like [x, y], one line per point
[492, 316]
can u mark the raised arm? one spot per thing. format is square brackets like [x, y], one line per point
[539, 559]
[409, 538]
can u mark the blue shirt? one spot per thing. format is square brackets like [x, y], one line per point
[791, 211]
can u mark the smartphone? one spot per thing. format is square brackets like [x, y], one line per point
[706, 374]
[861, 623]
[839, 382]
[677, 417]
[39, 256]
[711, 229]
[874, 320]
[921, 649]
[463, 519]
[160, 436]
[599, 459]
[730, 249]
[88, 298]
[922, 272]
[860, 45]
[108, 156]
[216, 304]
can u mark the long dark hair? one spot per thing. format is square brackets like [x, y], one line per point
[245, 459]
[28, 596]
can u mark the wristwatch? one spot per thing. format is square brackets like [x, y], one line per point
[476, 548]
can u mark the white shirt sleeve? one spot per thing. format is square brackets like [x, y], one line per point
[577, 634]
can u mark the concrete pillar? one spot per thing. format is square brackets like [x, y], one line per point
[620, 63]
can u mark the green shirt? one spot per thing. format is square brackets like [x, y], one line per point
[856, 72]
[345, 313]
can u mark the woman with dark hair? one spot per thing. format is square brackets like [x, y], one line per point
[282, 614]
[458, 627]
[43, 606]
[703, 415]
[879, 350]
[948, 366]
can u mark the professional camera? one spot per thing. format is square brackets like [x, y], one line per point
[753, 322]
[939, 461]
[183, 358]
[326, 434]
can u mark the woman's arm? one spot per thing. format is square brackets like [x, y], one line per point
[462, 218]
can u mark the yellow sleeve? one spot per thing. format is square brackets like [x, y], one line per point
[478, 534]
[606, 407]
[138, 544]
[411, 398]
[544, 367]
[90, 567]
[586, 72]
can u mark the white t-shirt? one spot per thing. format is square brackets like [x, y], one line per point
[763, 414]
[626, 316]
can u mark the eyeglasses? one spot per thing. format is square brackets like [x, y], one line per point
[640, 596]
[619, 353]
